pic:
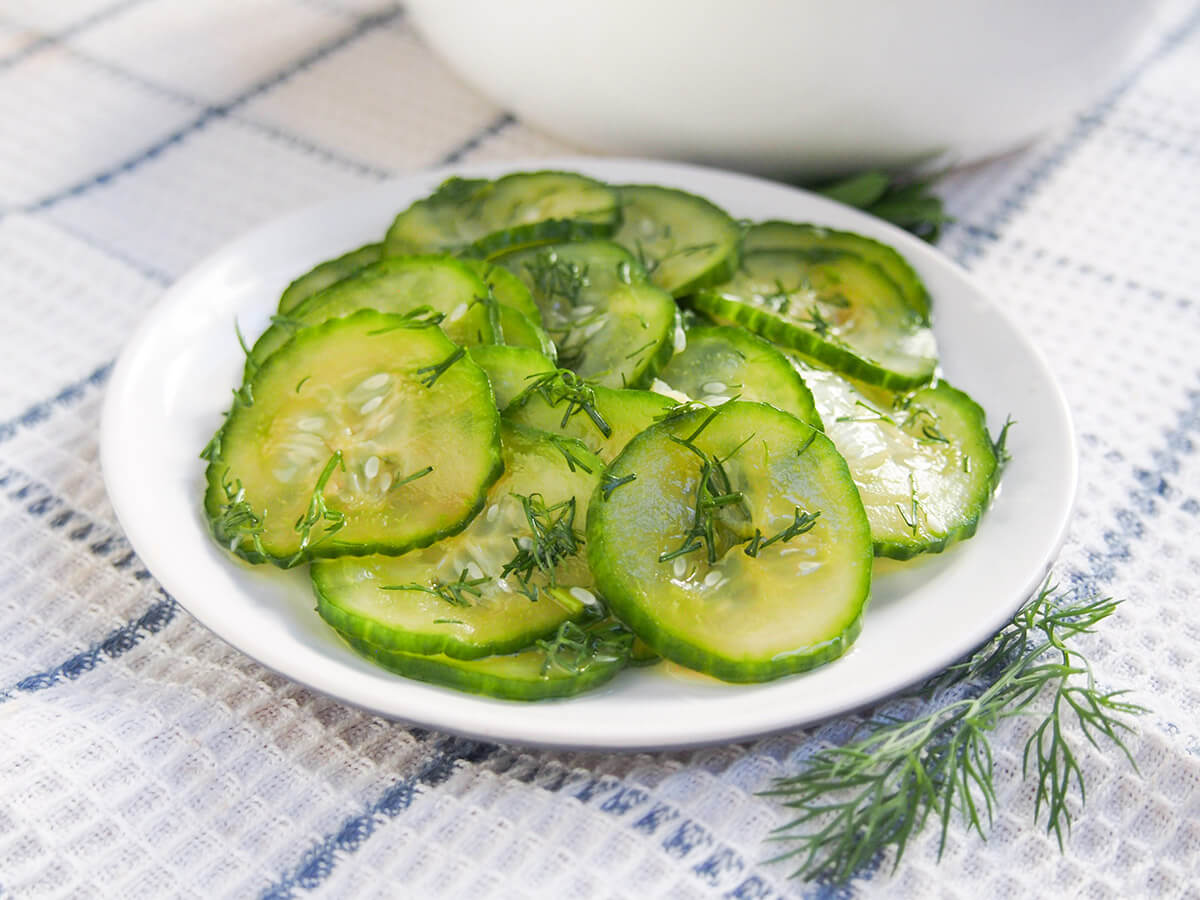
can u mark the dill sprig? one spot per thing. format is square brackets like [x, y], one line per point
[237, 520]
[562, 387]
[318, 512]
[911, 204]
[554, 276]
[1000, 444]
[912, 518]
[858, 801]
[552, 538]
[435, 371]
[456, 593]
[802, 523]
[574, 649]
[714, 492]
[610, 482]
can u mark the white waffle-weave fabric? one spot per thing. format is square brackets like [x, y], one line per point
[140, 756]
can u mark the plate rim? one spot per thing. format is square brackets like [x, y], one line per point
[916, 251]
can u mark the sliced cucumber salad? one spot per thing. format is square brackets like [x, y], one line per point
[548, 428]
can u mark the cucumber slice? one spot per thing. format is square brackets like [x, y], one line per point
[458, 600]
[337, 445]
[405, 285]
[510, 369]
[506, 287]
[581, 660]
[328, 273]
[477, 217]
[610, 325]
[720, 363]
[831, 305]
[775, 235]
[692, 591]
[604, 419]
[923, 460]
[515, 329]
[684, 242]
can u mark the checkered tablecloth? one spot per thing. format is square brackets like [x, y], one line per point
[140, 756]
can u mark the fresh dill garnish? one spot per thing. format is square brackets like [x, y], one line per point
[212, 450]
[875, 415]
[779, 300]
[318, 512]
[244, 396]
[448, 622]
[802, 522]
[573, 461]
[857, 801]
[563, 386]
[713, 493]
[250, 361]
[400, 482]
[433, 372]
[911, 204]
[574, 650]
[642, 349]
[1000, 444]
[817, 322]
[920, 416]
[552, 538]
[237, 521]
[456, 593]
[610, 482]
[808, 443]
[300, 383]
[912, 516]
[423, 316]
[554, 276]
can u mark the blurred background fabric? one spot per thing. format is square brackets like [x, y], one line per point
[140, 756]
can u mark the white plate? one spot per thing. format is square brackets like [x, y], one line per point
[173, 383]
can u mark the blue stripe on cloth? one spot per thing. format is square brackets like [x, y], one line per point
[1152, 489]
[992, 225]
[45, 41]
[113, 645]
[69, 396]
[319, 861]
[489, 131]
[265, 128]
[360, 28]
[679, 838]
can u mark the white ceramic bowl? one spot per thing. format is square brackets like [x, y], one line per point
[788, 87]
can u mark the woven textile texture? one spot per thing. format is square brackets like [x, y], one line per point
[140, 756]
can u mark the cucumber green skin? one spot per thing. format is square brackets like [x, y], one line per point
[534, 461]
[373, 287]
[963, 422]
[977, 445]
[462, 207]
[326, 274]
[384, 640]
[627, 412]
[218, 470]
[765, 376]
[780, 329]
[514, 329]
[681, 211]
[474, 677]
[509, 368]
[632, 600]
[777, 235]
